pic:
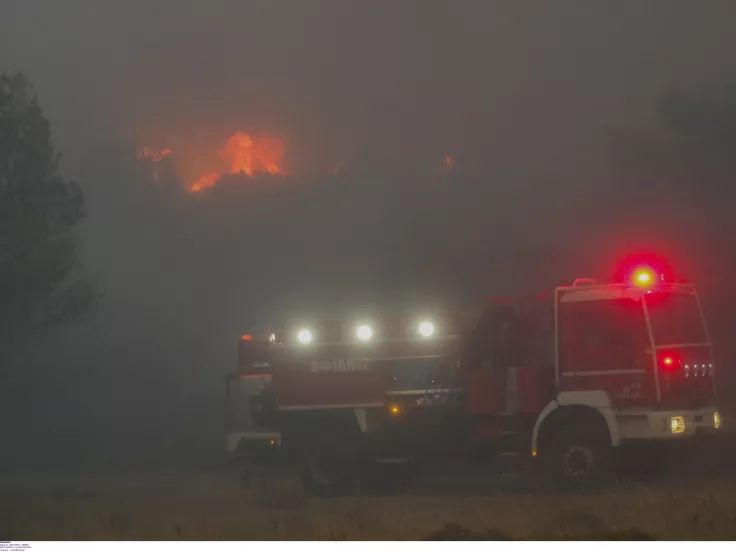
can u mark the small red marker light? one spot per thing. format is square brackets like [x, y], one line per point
[668, 362]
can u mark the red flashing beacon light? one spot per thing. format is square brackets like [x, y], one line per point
[643, 277]
[644, 271]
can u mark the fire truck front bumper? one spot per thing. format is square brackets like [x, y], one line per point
[668, 424]
[659, 444]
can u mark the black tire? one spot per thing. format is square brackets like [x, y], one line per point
[581, 459]
[329, 471]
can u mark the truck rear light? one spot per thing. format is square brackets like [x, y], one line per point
[677, 424]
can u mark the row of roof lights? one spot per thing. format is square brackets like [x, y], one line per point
[364, 332]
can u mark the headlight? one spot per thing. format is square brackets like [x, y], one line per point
[364, 332]
[304, 336]
[426, 329]
[677, 424]
[716, 420]
[272, 338]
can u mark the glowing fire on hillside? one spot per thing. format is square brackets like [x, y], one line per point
[152, 154]
[245, 155]
[241, 154]
[205, 181]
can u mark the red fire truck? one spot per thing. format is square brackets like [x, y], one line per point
[562, 382]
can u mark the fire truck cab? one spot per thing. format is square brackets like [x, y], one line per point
[560, 381]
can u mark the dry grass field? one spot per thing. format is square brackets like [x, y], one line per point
[201, 506]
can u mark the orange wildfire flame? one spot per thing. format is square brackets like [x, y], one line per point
[153, 154]
[205, 181]
[246, 155]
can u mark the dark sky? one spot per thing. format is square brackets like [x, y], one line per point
[521, 94]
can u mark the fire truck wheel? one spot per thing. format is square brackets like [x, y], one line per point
[581, 458]
[329, 472]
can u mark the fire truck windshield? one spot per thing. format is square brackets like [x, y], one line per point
[675, 318]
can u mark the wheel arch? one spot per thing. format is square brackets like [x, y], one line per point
[595, 405]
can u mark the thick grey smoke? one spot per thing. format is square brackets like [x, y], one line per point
[520, 94]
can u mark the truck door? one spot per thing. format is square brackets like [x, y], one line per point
[603, 345]
[494, 348]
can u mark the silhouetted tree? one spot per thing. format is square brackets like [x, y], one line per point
[38, 211]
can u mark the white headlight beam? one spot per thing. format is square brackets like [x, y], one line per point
[426, 329]
[304, 336]
[364, 332]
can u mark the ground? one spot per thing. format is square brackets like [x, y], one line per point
[204, 505]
